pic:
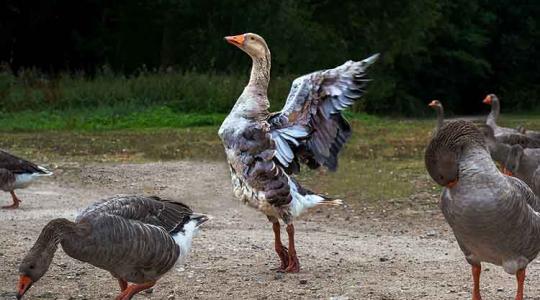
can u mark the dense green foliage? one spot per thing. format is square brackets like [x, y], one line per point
[454, 50]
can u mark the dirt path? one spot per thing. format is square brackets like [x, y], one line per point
[345, 253]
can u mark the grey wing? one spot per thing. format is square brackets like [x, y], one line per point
[523, 191]
[168, 214]
[131, 249]
[18, 165]
[310, 128]
[254, 162]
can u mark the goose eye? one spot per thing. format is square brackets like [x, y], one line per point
[251, 38]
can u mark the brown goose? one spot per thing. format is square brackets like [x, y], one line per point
[495, 218]
[438, 107]
[114, 234]
[17, 173]
[264, 149]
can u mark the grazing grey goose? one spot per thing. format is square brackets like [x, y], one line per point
[136, 238]
[525, 165]
[263, 149]
[438, 107]
[494, 217]
[17, 173]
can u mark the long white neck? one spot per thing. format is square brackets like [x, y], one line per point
[253, 103]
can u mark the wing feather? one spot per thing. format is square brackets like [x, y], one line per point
[18, 165]
[168, 214]
[310, 127]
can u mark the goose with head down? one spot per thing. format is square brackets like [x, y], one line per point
[264, 150]
[495, 218]
[137, 239]
[17, 173]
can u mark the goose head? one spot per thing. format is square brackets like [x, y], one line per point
[489, 99]
[443, 153]
[33, 267]
[435, 104]
[253, 44]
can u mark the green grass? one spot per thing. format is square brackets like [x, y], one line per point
[115, 118]
[105, 119]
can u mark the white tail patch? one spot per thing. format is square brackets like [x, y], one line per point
[183, 239]
[25, 179]
[300, 203]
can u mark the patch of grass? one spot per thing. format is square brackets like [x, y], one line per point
[106, 119]
[117, 117]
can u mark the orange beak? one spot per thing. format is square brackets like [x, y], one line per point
[487, 100]
[25, 282]
[237, 40]
[505, 171]
[451, 184]
[432, 103]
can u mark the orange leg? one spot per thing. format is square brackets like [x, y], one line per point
[294, 264]
[16, 201]
[123, 284]
[520, 276]
[133, 289]
[280, 249]
[476, 270]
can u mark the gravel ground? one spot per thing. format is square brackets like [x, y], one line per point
[358, 251]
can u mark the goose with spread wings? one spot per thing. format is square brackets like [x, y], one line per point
[265, 149]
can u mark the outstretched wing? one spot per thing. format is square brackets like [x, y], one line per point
[310, 128]
[18, 165]
[153, 210]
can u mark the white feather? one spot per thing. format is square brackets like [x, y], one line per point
[301, 203]
[183, 239]
[25, 179]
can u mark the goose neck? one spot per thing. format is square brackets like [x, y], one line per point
[495, 111]
[260, 73]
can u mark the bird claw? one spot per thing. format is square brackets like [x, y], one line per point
[12, 206]
[294, 265]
